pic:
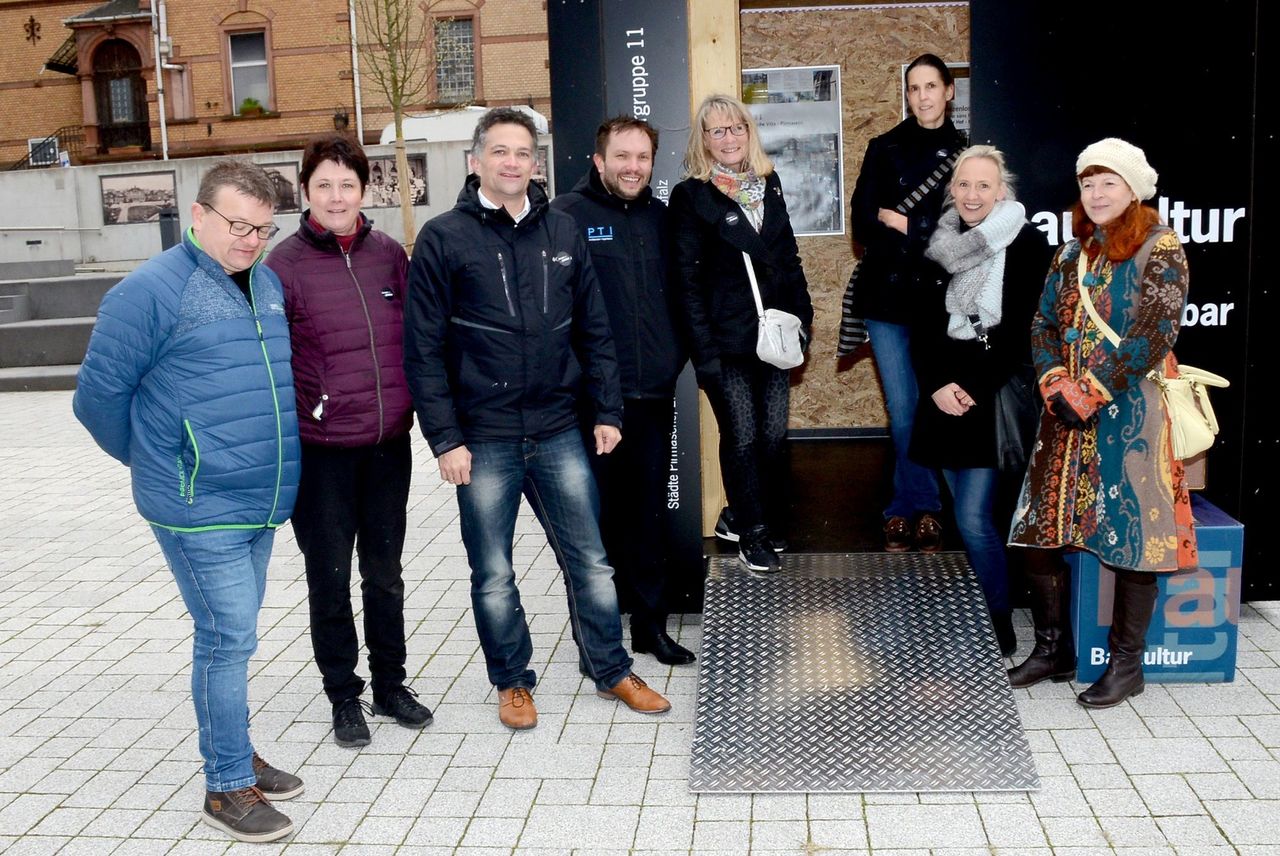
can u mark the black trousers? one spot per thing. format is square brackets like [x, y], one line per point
[633, 509]
[355, 497]
[752, 405]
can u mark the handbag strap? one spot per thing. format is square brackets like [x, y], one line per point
[931, 181]
[755, 286]
[1155, 375]
[1082, 268]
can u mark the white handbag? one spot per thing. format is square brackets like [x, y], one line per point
[1192, 422]
[778, 336]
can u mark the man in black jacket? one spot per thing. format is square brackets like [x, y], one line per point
[626, 233]
[503, 309]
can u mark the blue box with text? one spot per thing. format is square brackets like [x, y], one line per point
[1193, 632]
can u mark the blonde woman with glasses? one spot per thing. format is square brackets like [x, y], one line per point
[731, 204]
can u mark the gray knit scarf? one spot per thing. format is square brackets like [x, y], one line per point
[975, 259]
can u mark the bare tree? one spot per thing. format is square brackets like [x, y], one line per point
[398, 38]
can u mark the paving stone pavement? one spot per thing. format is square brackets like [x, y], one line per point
[98, 747]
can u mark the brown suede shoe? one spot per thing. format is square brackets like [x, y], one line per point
[928, 533]
[637, 695]
[897, 535]
[516, 710]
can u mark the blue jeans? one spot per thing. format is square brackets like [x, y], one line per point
[915, 488]
[974, 492]
[555, 477]
[222, 575]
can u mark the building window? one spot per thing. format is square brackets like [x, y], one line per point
[250, 82]
[455, 60]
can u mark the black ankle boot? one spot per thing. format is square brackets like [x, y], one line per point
[1053, 657]
[1135, 601]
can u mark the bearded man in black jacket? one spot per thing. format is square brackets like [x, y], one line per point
[626, 234]
[504, 316]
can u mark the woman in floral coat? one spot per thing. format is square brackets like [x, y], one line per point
[1102, 475]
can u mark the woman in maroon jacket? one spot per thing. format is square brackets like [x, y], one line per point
[344, 289]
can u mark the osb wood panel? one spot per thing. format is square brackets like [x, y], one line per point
[870, 45]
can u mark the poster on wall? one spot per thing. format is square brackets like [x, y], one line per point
[383, 190]
[959, 105]
[798, 113]
[285, 178]
[136, 198]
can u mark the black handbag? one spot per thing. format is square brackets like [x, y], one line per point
[1017, 417]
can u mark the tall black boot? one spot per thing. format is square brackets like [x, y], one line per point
[1135, 601]
[1053, 656]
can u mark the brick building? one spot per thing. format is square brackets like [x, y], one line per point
[238, 75]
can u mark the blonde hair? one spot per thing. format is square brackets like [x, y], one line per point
[697, 157]
[992, 154]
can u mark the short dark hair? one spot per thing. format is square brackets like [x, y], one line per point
[339, 148]
[242, 176]
[609, 127]
[933, 62]
[501, 116]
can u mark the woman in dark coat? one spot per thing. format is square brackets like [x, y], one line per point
[731, 204]
[1102, 475]
[972, 345]
[896, 204]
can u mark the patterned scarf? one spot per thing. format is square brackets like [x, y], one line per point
[975, 259]
[744, 188]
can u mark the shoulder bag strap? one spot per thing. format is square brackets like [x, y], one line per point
[755, 286]
[933, 180]
[1082, 267]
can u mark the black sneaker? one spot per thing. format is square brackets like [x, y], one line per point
[724, 526]
[349, 728]
[756, 551]
[778, 545]
[275, 784]
[245, 815]
[401, 704]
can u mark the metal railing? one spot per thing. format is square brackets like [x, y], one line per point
[69, 139]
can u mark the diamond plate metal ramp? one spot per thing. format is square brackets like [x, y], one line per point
[853, 673]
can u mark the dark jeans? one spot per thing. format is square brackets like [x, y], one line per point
[915, 488]
[554, 475]
[751, 404]
[355, 497]
[633, 509]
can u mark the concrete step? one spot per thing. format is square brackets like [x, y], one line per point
[35, 378]
[45, 342]
[14, 307]
[62, 297]
[34, 269]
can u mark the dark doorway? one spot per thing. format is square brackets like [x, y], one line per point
[121, 96]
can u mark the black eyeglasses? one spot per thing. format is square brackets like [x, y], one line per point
[718, 133]
[242, 229]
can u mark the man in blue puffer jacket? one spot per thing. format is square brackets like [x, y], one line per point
[187, 382]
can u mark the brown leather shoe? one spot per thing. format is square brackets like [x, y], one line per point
[516, 710]
[637, 695]
[897, 535]
[928, 533]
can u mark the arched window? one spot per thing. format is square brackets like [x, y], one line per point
[121, 96]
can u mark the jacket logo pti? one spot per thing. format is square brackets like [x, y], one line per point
[599, 233]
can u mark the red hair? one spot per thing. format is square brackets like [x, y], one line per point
[1124, 235]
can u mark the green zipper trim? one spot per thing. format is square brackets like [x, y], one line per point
[191, 492]
[215, 528]
[275, 398]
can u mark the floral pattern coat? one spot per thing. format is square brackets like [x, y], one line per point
[1112, 488]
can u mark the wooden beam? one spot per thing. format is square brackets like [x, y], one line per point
[714, 66]
[714, 52]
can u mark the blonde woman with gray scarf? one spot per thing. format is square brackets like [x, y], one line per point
[969, 346]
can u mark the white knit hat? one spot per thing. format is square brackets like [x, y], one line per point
[1125, 160]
